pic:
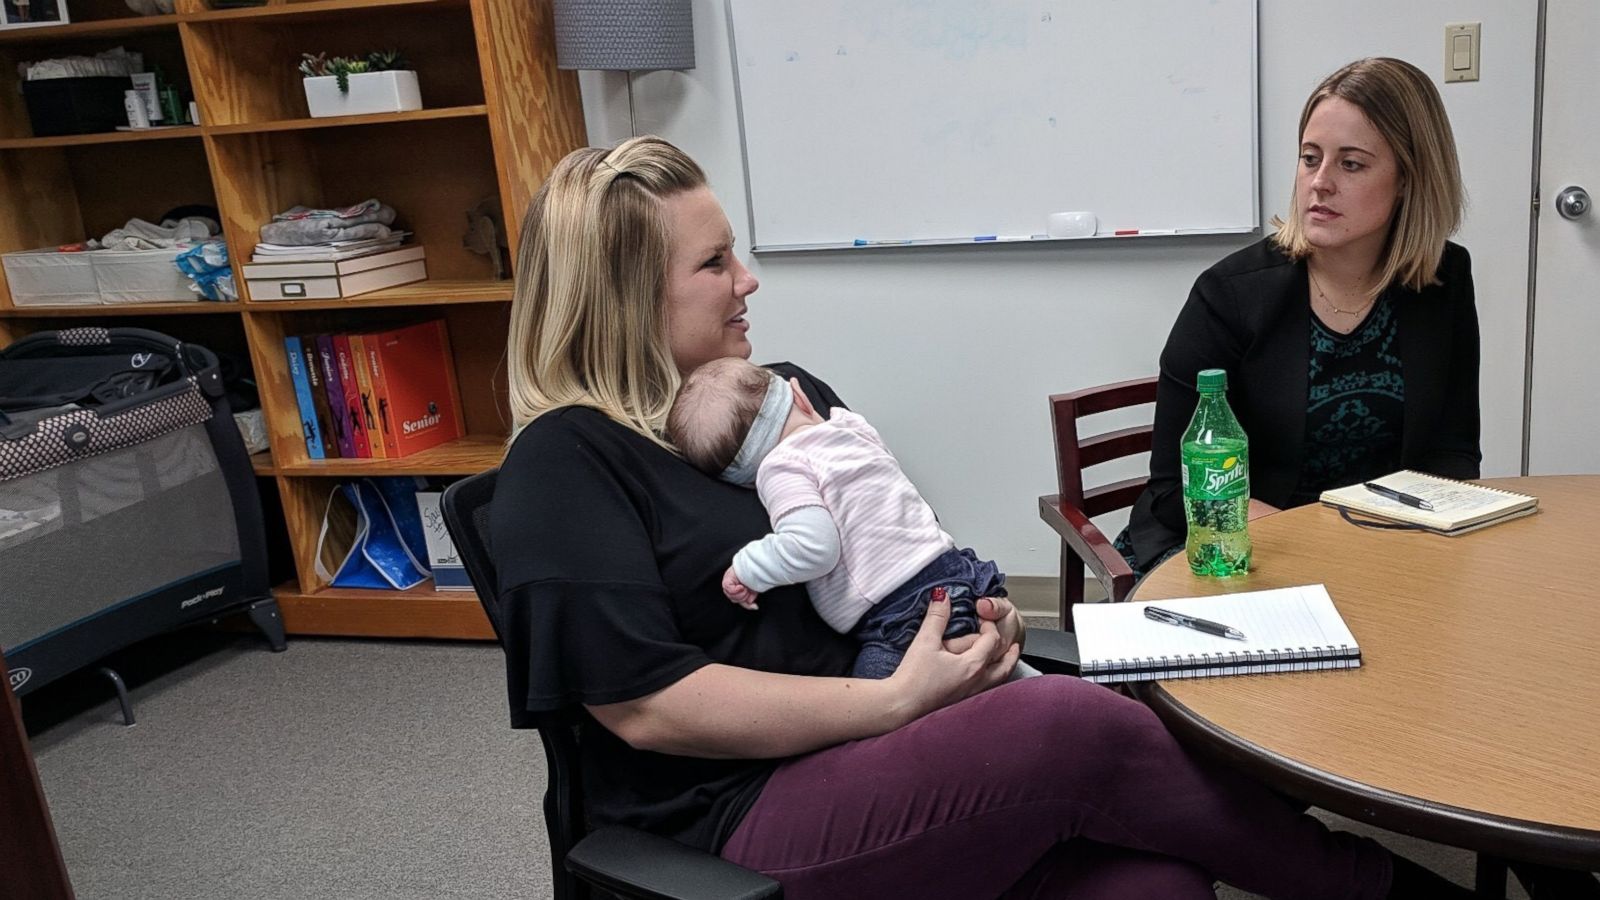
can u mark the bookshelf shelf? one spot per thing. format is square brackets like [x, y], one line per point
[108, 137]
[302, 11]
[104, 28]
[465, 456]
[432, 292]
[501, 115]
[476, 110]
[198, 308]
[262, 463]
[418, 612]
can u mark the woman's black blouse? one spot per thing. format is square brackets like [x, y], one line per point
[610, 552]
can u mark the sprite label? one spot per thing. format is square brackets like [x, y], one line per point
[1215, 476]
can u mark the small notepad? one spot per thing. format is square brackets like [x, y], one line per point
[1458, 506]
[1295, 629]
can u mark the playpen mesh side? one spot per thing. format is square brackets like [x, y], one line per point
[79, 538]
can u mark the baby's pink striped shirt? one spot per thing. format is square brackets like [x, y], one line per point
[887, 532]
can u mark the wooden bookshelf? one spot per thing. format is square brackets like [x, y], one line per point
[417, 115]
[498, 115]
[200, 307]
[421, 612]
[108, 137]
[125, 26]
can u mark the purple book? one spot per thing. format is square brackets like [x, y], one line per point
[334, 386]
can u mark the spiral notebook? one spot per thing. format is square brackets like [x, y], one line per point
[1458, 506]
[1295, 629]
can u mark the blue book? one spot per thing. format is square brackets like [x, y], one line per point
[302, 395]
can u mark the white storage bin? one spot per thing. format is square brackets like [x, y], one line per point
[51, 278]
[141, 276]
[370, 92]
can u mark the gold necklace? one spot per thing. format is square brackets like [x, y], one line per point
[1329, 303]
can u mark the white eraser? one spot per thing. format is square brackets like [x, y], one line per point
[1070, 225]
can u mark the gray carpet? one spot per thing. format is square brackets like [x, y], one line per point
[341, 768]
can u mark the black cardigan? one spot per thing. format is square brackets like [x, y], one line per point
[1250, 315]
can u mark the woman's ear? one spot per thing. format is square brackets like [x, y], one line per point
[800, 399]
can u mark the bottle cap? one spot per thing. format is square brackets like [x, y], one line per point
[1212, 380]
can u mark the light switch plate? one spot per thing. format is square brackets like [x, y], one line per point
[1462, 43]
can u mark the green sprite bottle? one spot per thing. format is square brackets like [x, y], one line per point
[1215, 462]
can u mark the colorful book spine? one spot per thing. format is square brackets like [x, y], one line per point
[338, 410]
[369, 404]
[352, 395]
[302, 396]
[319, 397]
[380, 393]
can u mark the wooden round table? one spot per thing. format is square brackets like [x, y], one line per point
[1474, 719]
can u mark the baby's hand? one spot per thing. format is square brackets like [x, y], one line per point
[736, 591]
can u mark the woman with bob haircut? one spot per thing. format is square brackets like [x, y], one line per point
[738, 731]
[1350, 337]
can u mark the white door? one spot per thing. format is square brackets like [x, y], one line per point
[1565, 410]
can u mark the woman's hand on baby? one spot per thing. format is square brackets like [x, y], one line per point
[735, 590]
[996, 613]
[934, 675]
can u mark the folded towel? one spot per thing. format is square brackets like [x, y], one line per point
[138, 234]
[304, 232]
[359, 214]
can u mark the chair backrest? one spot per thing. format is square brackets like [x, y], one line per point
[1076, 452]
[466, 515]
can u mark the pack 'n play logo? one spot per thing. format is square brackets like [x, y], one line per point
[19, 677]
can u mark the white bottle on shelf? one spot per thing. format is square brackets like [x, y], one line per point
[134, 104]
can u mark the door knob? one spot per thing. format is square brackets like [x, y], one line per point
[1573, 203]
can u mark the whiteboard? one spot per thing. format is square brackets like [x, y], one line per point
[874, 122]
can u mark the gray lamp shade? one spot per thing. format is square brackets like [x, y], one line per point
[624, 34]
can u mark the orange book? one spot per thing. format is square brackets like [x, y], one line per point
[380, 397]
[352, 394]
[419, 381]
[369, 403]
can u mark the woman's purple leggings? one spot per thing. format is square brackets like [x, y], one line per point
[1044, 787]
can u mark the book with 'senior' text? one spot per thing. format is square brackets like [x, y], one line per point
[1458, 506]
[1294, 629]
[419, 405]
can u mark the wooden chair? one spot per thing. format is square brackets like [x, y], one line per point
[1071, 511]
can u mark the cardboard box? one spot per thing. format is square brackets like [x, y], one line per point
[335, 279]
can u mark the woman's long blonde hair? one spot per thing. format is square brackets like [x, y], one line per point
[1403, 105]
[588, 324]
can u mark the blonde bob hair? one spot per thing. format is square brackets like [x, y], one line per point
[588, 326]
[1403, 105]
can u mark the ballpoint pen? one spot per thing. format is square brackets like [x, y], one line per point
[1395, 495]
[1182, 621]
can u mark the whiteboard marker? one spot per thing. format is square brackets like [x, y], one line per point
[1126, 232]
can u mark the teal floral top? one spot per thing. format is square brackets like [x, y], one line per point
[1355, 403]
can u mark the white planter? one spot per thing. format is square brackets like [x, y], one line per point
[370, 92]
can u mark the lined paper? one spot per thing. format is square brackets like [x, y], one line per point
[1286, 629]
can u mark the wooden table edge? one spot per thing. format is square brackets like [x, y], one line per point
[1575, 848]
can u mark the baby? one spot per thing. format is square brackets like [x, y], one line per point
[846, 521]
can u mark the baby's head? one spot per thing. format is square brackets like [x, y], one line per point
[730, 413]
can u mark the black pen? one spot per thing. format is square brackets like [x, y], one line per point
[1393, 494]
[1182, 621]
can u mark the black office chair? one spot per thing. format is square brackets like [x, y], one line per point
[626, 861]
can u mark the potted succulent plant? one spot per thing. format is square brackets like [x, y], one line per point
[379, 82]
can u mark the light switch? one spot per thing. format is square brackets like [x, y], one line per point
[1462, 42]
